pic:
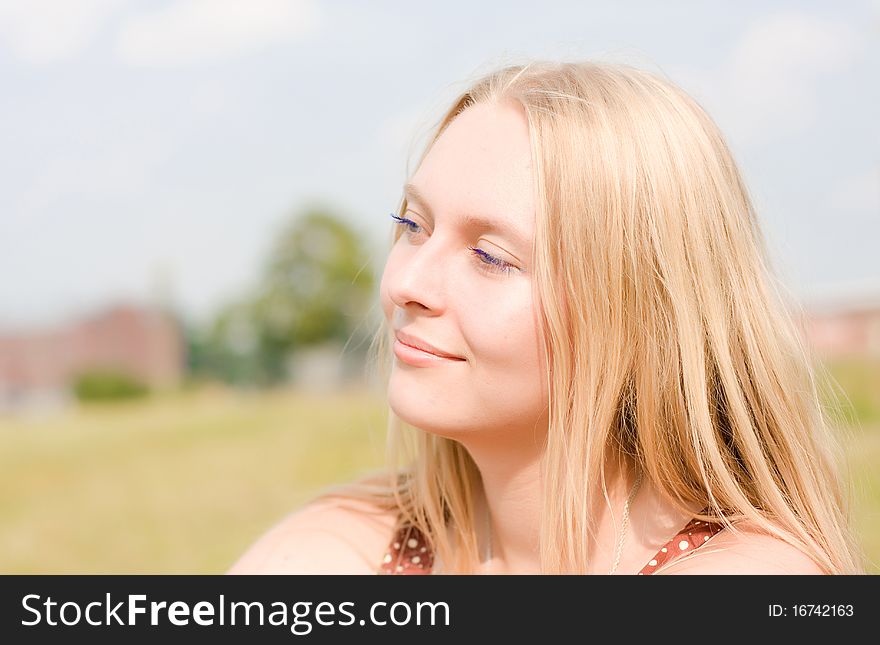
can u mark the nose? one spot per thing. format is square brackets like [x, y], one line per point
[416, 275]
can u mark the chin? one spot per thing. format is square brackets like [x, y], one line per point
[428, 416]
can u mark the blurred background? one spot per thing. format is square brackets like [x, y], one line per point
[194, 222]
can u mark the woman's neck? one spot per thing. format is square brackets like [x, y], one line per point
[512, 493]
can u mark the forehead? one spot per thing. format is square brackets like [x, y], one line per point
[481, 167]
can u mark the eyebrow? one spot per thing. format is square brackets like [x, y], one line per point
[413, 193]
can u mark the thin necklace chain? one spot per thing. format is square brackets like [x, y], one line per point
[623, 526]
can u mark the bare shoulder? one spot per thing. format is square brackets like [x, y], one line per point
[749, 551]
[329, 535]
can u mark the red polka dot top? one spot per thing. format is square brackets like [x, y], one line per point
[408, 553]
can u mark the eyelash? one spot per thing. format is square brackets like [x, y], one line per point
[487, 261]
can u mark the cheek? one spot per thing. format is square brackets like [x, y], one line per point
[503, 332]
[509, 377]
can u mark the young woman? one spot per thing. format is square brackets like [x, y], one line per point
[592, 369]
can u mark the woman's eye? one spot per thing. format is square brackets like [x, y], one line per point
[491, 262]
[410, 225]
[487, 261]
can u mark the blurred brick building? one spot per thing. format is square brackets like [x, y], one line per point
[844, 325]
[37, 367]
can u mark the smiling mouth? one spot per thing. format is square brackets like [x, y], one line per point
[413, 342]
[420, 357]
[425, 351]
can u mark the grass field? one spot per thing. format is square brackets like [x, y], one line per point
[182, 483]
[176, 485]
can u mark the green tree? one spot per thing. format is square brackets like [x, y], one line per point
[317, 285]
[227, 347]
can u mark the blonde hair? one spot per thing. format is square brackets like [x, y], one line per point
[669, 343]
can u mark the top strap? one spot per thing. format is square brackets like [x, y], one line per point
[691, 537]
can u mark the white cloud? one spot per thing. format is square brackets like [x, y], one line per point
[46, 31]
[767, 86]
[195, 31]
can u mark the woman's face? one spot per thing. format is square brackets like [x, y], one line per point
[473, 303]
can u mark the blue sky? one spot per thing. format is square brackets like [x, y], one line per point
[155, 146]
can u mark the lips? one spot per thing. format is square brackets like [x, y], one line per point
[418, 343]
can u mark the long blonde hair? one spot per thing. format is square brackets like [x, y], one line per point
[668, 338]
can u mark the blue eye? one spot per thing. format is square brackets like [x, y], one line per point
[487, 261]
[495, 264]
[406, 222]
